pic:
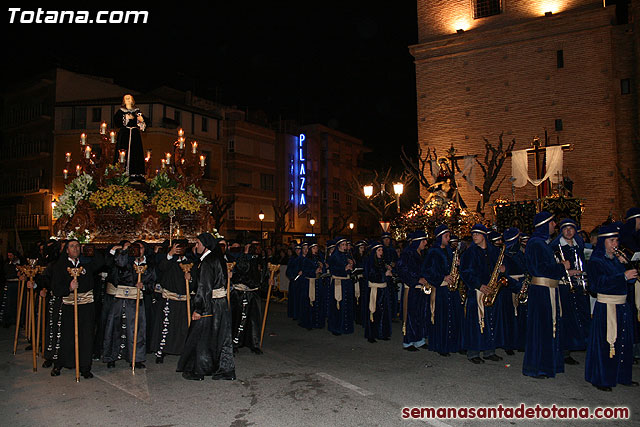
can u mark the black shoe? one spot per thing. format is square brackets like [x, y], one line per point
[463, 352]
[424, 346]
[476, 360]
[509, 352]
[385, 339]
[603, 388]
[410, 348]
[631, 384]
[372, 340]
[571, 361]
[140, 365]
[541, 377]
[55, 372]
[494, 358]
[87, 374]
[159, 360]
[191, 376]
[336, 333]
[256, 350]
[231, 376]
[111, 365]
[445, 354]
[47, 364]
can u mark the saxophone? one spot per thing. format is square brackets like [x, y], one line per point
[455, 273]
[495, 282]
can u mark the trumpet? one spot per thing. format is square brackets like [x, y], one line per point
[567, 277]
[523, 295]
[620, 253]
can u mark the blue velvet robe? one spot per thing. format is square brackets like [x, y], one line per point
[340, 320]
[476, 266]
[391, 258]
[380, 328]
[445, 334]
[506, 319]
[292, 272]
[543, 354]
[418, 312]
[606, 276]
[310, 315]
[630, 240]
[515, 264]
[576, 308]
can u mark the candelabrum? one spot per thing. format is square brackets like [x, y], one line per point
[94, 159]
[185, 164]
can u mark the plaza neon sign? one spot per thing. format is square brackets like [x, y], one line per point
[302, 170]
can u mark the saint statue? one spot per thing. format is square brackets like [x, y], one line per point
[131, 122]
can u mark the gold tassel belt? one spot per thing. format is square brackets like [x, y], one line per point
[337, 288]
[124, 292]
[552, 284]
[219, 293]
[312, 290]
[243, 288]
[373, 297]
[83, 298]
[173, 296]
[612, 321]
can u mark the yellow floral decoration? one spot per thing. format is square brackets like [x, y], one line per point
[174, 199]
[119, 196]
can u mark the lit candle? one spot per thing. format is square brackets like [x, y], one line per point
[83, 139]
[65, 173]
[202, 161]
[180, 132]
[112, 134]
[194, 147]
[103, 128]
[78, 170]
[122, 154]
[182, 161]
[181, 142]
[168, 159]
[67, 157]
[149, 153]
[87, 152]
[163, 161]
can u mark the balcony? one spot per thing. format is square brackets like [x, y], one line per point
[26, 149]
[21, 186]
[26, 222]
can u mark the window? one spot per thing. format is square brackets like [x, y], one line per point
[177, 117]
[484, 8]
[348, 198]
[205, 125]
[79, 117]
[96, 114]
[336, 196]
[266, 182]
[231, 146]
[625, 86]
[558, 124]
[560, 58]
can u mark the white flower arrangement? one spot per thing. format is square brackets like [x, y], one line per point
[198, 194]
[78, 189]
[82, 237]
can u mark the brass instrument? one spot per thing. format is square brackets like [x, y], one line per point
[620, 252]
[581, 278]
[455, 272]
[495, 282]
[523, 295]
[568, 277]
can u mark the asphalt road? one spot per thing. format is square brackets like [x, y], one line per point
[303, 378]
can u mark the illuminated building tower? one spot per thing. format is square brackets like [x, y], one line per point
[522, 66]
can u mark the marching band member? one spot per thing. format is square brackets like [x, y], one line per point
[476, 267]
[506, 326]
[630, 241]
[516, 267]
[341, 306]
[415, 300]
[377, 296]
[576, 311]
[292, 272]
[609, 350]
[543, 354]
[311, 314]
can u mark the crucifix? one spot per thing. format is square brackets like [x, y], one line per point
[453, 168]
[539, 152]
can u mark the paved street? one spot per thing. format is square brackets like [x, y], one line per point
[303, 378]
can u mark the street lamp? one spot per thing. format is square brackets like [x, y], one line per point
[312, 221]
[351, 225]
[368, 191]
[398, 188]
[261, 216]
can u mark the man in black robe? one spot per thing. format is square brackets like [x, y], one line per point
[63, 285]
[131, 123]
[171, 323]
[209, 346]
[245, 300]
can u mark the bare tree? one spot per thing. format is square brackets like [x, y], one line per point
[494, 159]
[339, 223]
[280, 211]
[417, 168]
[219, 208]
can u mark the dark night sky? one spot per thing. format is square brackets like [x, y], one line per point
[346, 64]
